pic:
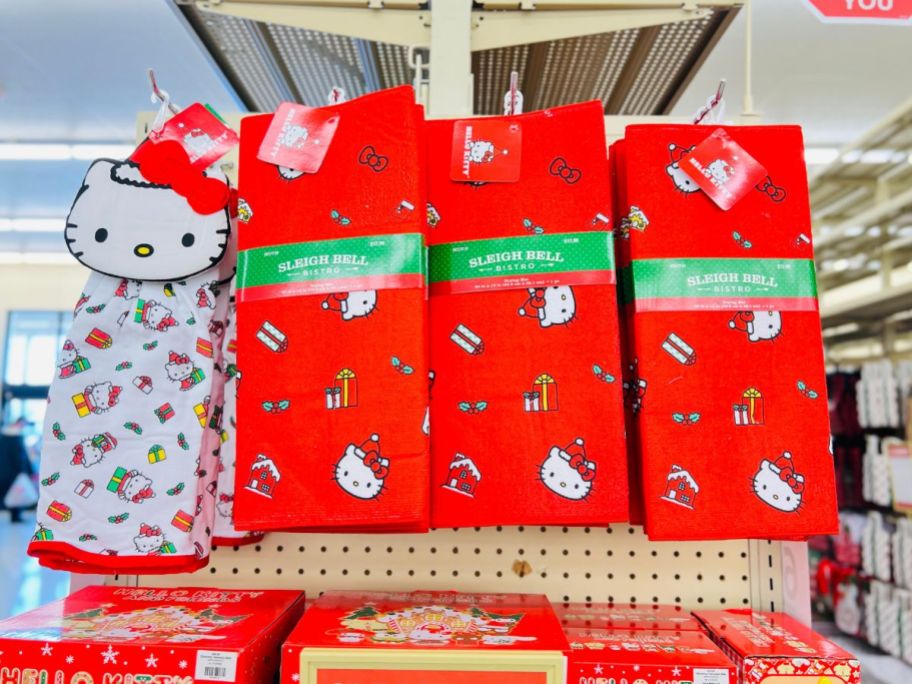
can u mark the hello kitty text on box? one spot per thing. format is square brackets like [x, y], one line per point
[773, 648]
[128, 635]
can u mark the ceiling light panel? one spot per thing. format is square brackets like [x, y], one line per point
[238, 45]
[318, 62]
[672, 50]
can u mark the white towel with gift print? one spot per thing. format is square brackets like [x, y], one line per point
[127, 483]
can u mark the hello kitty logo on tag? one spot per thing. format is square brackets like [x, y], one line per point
[722, 169]
[298, 138]
[486, 151]
[201, 132]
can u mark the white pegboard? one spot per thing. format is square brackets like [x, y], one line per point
[616, 563]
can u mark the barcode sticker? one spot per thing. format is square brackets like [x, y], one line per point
[216, 666]
[710, 676]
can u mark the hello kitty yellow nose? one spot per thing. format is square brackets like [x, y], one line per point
[143, 250]
[355, 483]
[775, 497]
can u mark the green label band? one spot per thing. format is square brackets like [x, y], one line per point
[720, 284]
[585, 258]
[307, 268]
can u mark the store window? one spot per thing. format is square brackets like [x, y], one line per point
[33, 341]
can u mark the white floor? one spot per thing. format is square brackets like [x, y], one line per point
[23, 583]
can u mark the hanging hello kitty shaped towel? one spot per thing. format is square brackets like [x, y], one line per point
[127, 467]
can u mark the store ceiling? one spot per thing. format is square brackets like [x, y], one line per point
[75, 72]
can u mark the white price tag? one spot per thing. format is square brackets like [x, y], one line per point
[216, 666]
[710, 676]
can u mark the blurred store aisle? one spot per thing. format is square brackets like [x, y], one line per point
[25, 585]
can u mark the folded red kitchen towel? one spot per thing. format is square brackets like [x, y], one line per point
[332, 325]
[727, 373]
[526, 410]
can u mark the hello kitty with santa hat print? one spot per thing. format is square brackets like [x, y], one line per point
[155, 232]
[361, 471]
[568, 472]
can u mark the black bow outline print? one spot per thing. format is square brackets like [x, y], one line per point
[560, 168]
[369, 157]
[774, 192]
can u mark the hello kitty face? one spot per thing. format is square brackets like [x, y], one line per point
[361, 475]
[225, 506]
[87, 453]
[351, 305]
[155, 316]
[721, 171]
[481, 152]
[122, 225]
[567, 476]
[293, 136]
[760, 326]
[178, 367]
[781, 491]
[681, 180]
[128, 289]
[554, 305]
[67, 355]
[149, 540]
[104, 396]
[766, 326]
[137, 488]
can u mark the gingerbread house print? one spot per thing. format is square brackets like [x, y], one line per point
[463, 476]
[264, 476]
[681, 488]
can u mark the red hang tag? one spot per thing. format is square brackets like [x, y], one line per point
[722, 169]
[201, 132]
[486, 150]
[299, 137]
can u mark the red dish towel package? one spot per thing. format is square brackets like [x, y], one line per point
[331, 315]
[727, 374]
[526, 410]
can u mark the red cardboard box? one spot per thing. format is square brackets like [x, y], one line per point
[646, 657]
[626, 616]
[128, 635]
[773, 648]
[426, 638]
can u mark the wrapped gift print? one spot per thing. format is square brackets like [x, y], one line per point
[331, 319]
[526, 413]
[123, 450]
[724, 331]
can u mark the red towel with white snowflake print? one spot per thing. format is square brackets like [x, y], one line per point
[727, 377]
[224, 532]
[526, 413]
[333, 397]
[128, 456]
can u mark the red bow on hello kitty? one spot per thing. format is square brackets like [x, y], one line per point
[113, 394]
[167, 163]
[174, 357]
[579, 464]
[374, 462]
[788, 475]
[149, 530]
